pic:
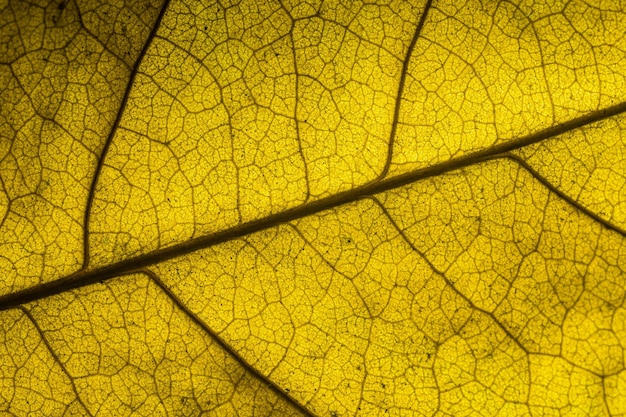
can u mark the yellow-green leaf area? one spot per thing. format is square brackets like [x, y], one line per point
[483, 73]
[61, 87]
[122, 363]
[588, 166]
[312, 208]
[245, 111]
[34, 383]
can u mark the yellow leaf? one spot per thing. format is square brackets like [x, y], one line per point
[312, 208]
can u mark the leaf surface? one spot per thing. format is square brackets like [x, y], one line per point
[312, 208]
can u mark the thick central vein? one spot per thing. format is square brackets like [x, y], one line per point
[89, 276]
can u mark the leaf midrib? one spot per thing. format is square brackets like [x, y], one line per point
[88, 276]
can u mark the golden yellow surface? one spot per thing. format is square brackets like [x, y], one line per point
[483, 73]
[318, 208]
[588, 165]
[112, 342]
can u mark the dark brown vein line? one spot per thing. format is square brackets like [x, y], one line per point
[226, 347]
[296, 109]
[403, 75]
[605, 401]
[54, 356]
[89, 276]
[8, 206]
[114, 127]
[569, 200]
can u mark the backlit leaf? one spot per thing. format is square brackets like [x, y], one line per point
[328, 208]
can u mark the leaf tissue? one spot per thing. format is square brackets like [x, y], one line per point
[307, 207]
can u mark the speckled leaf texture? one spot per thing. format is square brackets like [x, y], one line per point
[312, 208]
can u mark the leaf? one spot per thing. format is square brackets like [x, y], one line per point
[312, 208]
